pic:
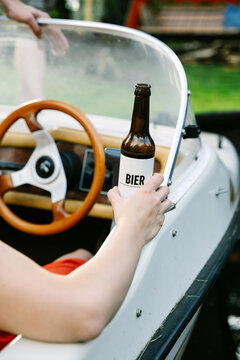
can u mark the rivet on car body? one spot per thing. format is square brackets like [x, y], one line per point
[174, 233]
[138, 313]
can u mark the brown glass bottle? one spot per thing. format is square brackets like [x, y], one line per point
[138, 148]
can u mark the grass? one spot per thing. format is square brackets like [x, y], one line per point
[213, 87]
[88, 96]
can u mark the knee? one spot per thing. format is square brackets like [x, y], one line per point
[82, 254]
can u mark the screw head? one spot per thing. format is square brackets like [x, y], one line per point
[174, 233]
[138, 313]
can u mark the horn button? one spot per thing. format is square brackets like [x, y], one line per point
[45, 167]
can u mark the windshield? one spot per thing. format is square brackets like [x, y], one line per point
[95, 67]
[94, 71]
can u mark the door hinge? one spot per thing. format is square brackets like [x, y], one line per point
[191, 132]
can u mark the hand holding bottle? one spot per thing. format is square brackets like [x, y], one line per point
[144, 210]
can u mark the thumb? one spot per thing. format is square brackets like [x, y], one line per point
[32, 21]
[114, 195]
[35, 27]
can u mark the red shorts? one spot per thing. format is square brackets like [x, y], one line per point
[62, 267]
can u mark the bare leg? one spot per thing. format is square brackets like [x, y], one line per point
[80, 253]
[30, 64]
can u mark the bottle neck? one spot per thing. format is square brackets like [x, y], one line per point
[140, 116]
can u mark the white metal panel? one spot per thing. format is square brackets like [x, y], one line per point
[167, 267]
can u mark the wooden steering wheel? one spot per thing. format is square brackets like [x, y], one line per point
[54, 179]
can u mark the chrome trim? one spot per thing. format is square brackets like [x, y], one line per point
[172, 157]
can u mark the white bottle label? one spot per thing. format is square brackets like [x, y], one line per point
[133, 173]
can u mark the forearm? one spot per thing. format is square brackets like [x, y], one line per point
[50, 307]
[109, 274]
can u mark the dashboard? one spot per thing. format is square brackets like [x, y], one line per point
[78, 160]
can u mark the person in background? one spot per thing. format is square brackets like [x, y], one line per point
[29, 52]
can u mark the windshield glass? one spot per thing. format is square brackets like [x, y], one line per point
[94, 71]
[95, 67]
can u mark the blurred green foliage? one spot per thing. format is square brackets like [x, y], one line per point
[214, 87]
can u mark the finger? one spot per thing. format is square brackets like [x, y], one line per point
[40, 14]
[64, 40]
[161, 219]
[154, 182]
[165, 205]
[57, 40]
[163, 192]
[114, 195]
[57, 44]
[52, 40]
[63, 43]
[35, 27]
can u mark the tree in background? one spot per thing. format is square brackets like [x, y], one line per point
[61, 10]
[115, 11]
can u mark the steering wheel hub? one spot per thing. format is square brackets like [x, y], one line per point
[45, 167]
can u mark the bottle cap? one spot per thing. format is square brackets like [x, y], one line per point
[143, 90]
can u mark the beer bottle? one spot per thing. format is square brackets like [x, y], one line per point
[138, 148]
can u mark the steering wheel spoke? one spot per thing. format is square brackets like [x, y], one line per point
[59, 211]
[32, 122]
[44, 168]
[5, 183]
